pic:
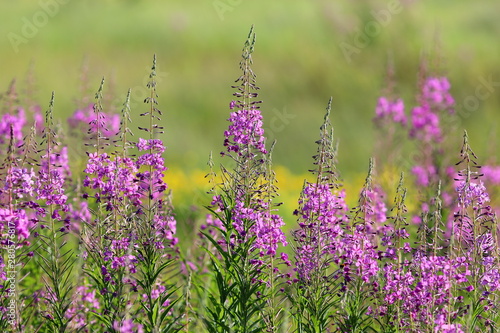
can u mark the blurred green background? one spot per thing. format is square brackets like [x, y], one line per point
[298, 59]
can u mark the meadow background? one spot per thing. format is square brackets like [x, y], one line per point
[298, 60]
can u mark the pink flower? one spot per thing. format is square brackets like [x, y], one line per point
[394, 110]
[82, 119]
[127, 326]
[435, 98]
[245, 133]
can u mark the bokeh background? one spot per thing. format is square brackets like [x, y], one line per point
[306, 51]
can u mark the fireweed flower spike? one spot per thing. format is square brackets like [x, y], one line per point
[321, 218]
[474, 237]
[435, 103]
[474, 216]
[137, 247]
[391, 122]
[17, 186]
[371, 208]
[434, 99]
[393, 110]
[246, 264]
[358, 258]
[108, 235]
[17, 180]
[156, 229]
[53, 254]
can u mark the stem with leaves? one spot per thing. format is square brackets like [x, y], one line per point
[53, 255]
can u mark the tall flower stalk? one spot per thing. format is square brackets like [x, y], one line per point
[474, 230]
[156, 227]
[16, 202]
[246, 265]
[132, 239]
[321, 219]
[53, 255]
[108, 238]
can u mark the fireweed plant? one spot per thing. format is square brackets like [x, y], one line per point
[94, 248]
[131, 239]
[321, 215]
[54, 254]
[245, 263]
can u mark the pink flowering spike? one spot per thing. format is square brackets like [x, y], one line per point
[472, 195]
[425, 124]
[424, 175]
[266, 228]
[322, 211]
[436, 92]
[49, 190]
[49, 185]
[15, 120]
[245, 134]
[323, 214]
[108, 124]
[387, 110]
[473, 217]
[371, 211]
[244, 221]
[435, 98]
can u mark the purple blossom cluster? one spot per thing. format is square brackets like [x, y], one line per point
[85, 302]
[436, 92]
[424, 175]
[376, 210]
[322, 216]
[166, 229]
[358, 256]
[392, 110]
[261, 224]
[472, 195]
[19, 182]
[59, 160]
[16, 218]
[15, 121]
[118, 181]
[113, 179]
[212, 223]
[151, 167]
[422, 289]
[118, 256]
[245, 133]
[490, 279]
[49, 187]
[435, 98]
[82, 119]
